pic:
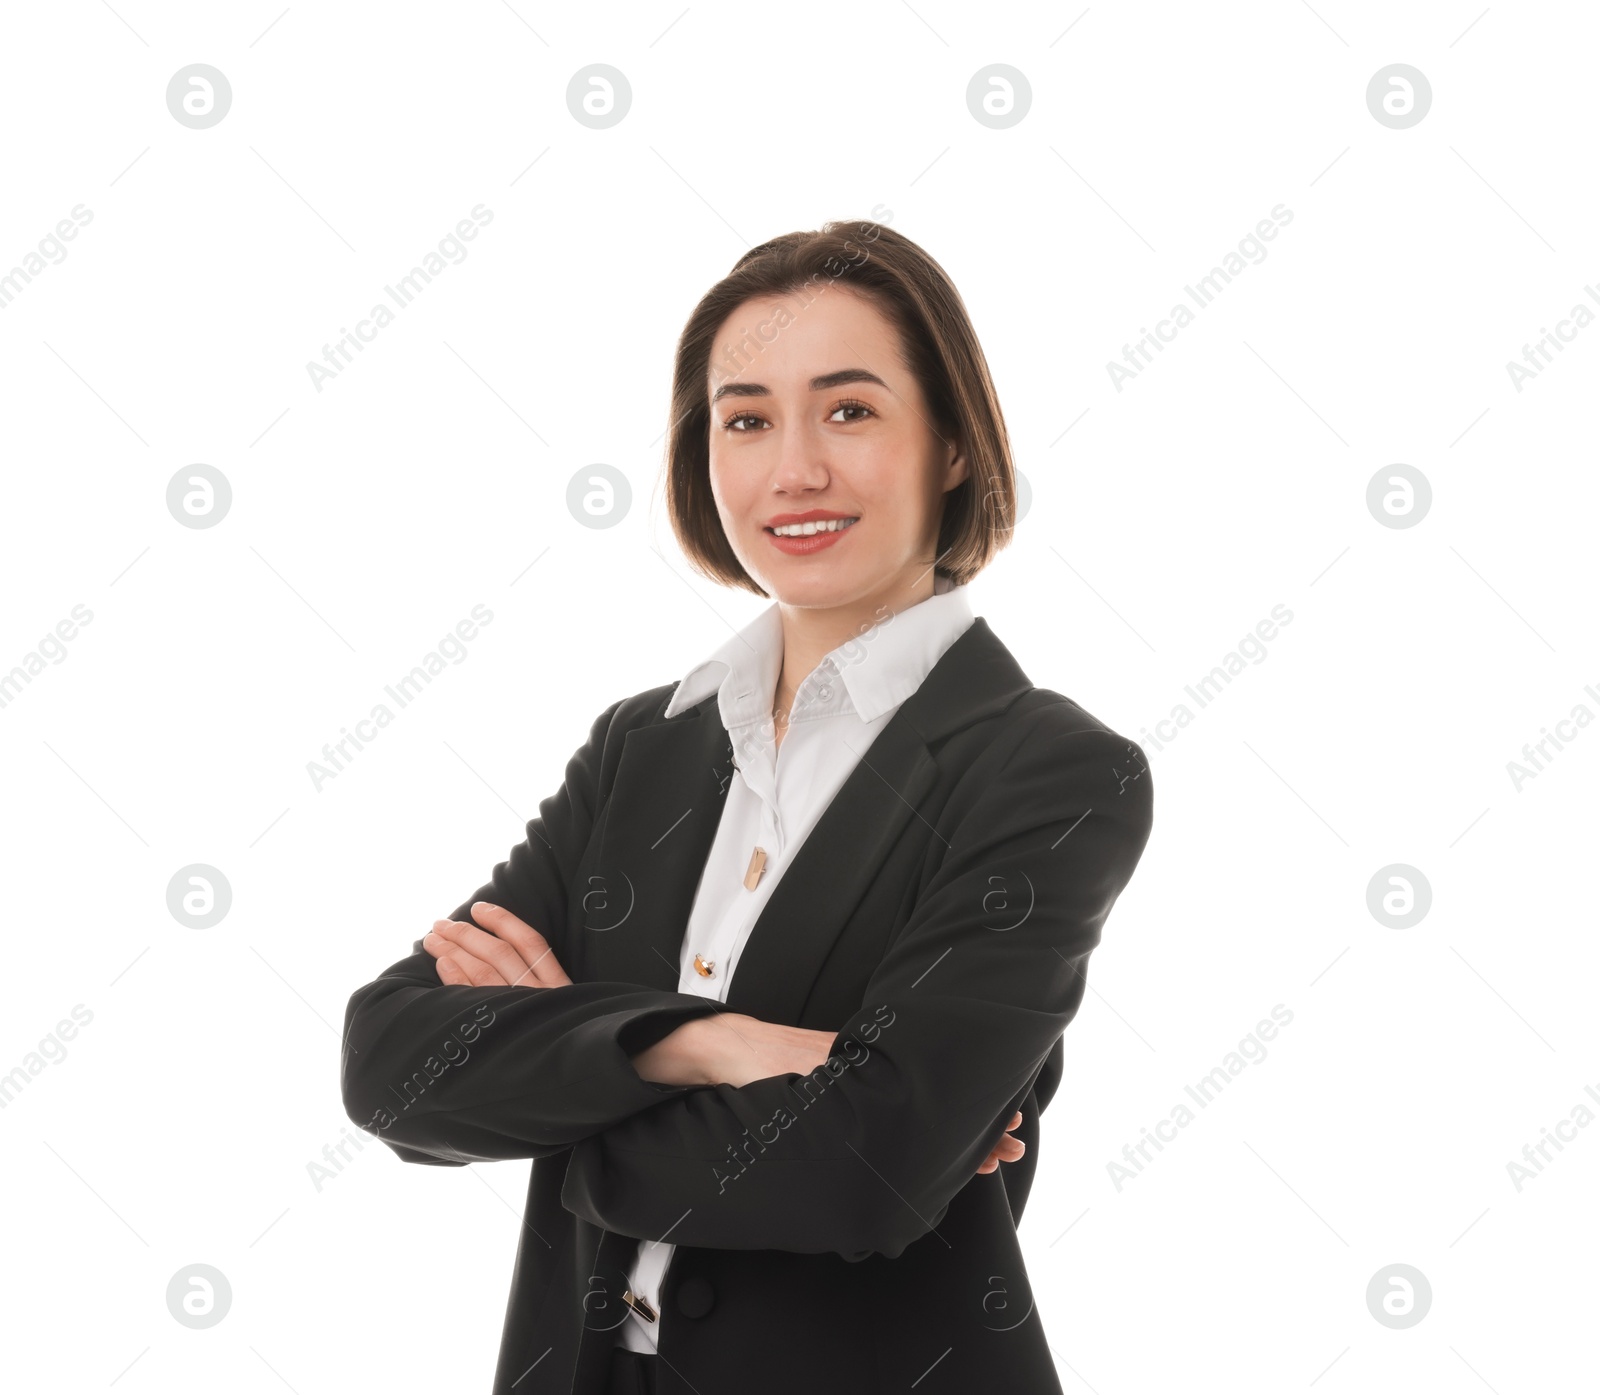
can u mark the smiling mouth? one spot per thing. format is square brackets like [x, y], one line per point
[806, 530]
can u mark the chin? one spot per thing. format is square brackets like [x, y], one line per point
[818, 590]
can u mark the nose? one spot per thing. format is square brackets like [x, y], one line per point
[801, 463]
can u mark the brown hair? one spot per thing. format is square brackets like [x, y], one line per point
[940, 350]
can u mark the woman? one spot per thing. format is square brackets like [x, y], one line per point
[779, 977]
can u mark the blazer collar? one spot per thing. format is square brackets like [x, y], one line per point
[667, 801]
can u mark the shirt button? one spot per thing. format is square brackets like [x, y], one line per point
[824, 692]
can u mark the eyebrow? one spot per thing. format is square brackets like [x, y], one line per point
[818, 384]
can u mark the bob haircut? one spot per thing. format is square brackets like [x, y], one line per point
[938, 347]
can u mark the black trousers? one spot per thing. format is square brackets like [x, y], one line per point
[632, 1372]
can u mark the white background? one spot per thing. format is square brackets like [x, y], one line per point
[1166, 520]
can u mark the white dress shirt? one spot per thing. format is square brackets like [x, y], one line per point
[776, 797]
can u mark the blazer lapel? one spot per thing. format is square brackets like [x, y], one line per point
[808, 908]
[667, 801]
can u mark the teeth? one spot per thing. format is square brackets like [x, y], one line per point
[805, 530]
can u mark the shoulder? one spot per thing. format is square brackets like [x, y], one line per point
[611, 727]
[593, 766]
[1042, 720]
[1049, 713]
[1047, 751]
[645, 709]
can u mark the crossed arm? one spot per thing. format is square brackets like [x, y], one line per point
[723, 1048]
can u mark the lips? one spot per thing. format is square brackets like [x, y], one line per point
[805, 543]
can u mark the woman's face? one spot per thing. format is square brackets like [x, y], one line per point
[813, 413]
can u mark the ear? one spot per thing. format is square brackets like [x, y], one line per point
[956, 467]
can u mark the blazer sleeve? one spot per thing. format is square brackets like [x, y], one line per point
[866, 1154]
[451, 1073]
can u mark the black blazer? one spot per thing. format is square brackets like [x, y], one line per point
[832, 1232]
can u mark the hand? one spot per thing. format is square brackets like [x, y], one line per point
[738, 1048]
[509, 952]
[1008, 1149]
[732, 1048]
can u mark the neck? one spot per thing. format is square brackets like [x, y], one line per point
[811, 632]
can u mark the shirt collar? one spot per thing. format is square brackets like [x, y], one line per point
[880, 668]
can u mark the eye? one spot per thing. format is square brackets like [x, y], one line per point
[851, 405]
[734, 423]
